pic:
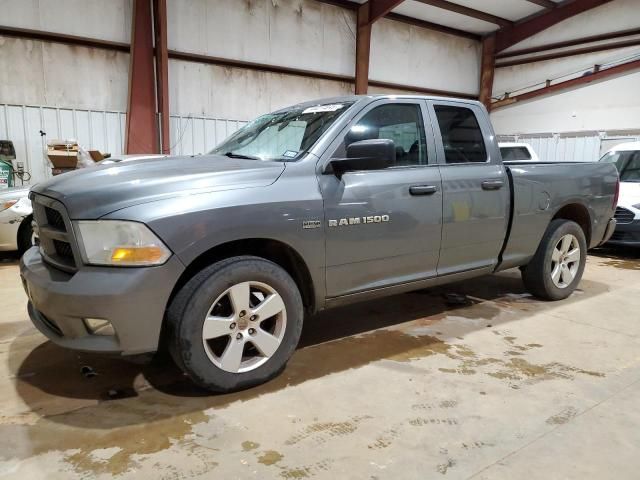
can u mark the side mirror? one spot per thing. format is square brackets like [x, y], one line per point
[374, 154]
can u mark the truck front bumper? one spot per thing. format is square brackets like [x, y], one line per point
[64, 307]
[626, 234]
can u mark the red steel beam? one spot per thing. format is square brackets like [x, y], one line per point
[487, 70]
[162, 70]
[570, 43]
[353, 6]
[519, 31]
[469, 12]
[544, 3]
[142, 128]
[367, 14]
[570, 53]
[574, 82]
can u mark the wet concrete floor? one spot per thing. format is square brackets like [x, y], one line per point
[420, 385]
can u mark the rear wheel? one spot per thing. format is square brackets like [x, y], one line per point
[557, 267]
[235, 324]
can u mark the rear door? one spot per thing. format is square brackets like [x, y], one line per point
[383, 226]
[475, 187]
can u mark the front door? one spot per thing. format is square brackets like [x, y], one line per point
[475, 188]
[383, 226]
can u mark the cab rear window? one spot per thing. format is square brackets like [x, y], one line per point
[515, 153]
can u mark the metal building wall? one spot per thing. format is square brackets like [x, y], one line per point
[567, 147]
[96, 130]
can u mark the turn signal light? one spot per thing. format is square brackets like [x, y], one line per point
[140, 255]
[7, 204]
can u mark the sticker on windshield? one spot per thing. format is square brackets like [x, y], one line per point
[324, 108]
[290, 153]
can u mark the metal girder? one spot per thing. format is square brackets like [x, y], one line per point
[570, 43]
[142, 128]
[487, 70]
[544, 3]
[162, 70]
[367, 14]
[595, 76]
[353, 6]
[570, 53]
[469, 12]
[379, 8]
[508, 36]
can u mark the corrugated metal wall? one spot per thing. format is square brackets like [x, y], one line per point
[568, 147]
[96, 130]
[192, 135]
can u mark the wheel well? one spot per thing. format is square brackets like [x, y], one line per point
[579, 214]
[278, 252]
[25, 223]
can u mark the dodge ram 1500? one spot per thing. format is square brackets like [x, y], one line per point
[221, 256]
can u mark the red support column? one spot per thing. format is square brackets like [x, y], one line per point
[487, 70]
[162, 70]
[142, 127]
[363, 48]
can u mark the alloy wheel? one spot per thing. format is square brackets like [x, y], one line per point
[244, 327]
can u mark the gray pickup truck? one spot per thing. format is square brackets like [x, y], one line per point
[220, 257]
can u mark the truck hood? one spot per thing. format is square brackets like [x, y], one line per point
[96, 191]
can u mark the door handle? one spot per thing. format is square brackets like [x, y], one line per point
[423, 190]
[492, 184]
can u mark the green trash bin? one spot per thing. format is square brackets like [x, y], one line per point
[6, 175]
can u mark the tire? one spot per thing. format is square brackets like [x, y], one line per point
[25, 235]
[546, 276]
[214, 294]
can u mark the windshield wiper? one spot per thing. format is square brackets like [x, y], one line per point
[240, 155]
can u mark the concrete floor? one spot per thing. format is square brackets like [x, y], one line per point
[405, 387]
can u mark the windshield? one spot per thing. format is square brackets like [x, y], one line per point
[627, 162]
[284, 135]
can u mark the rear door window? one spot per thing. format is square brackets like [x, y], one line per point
[462, 137]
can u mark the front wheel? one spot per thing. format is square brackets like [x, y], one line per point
[557, 266]
[235, 324]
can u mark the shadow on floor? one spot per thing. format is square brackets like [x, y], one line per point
[48, 376]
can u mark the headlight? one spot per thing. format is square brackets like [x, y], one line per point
[636, 206]
[120, 243]
[7, 204]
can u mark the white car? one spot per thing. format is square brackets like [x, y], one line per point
[517, 152]
[627, 158]
[16, 231]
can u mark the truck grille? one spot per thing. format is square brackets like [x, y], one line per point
[623, 215]
[54, 219]
[57, 242]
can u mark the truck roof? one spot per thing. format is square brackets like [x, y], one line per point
[356, 98]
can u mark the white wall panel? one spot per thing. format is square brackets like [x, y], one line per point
[106, 20]
[44, 73]
[302, 34]
[198, 89]
[613, 104]
[411, 55]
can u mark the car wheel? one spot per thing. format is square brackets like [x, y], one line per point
[26, 235]
[235, 324]
[558, 264]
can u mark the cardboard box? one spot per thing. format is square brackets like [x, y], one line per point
[63, 158]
